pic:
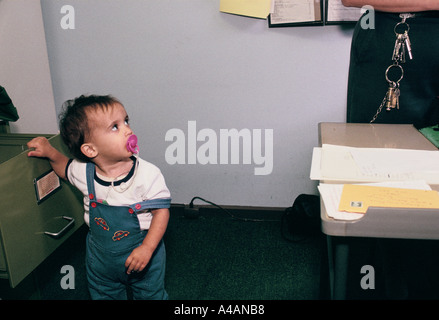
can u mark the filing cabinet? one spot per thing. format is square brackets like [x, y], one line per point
[38, 211]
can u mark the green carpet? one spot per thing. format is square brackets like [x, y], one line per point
[216, 257]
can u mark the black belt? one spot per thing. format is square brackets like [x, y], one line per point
[426, 14]
[414, 15]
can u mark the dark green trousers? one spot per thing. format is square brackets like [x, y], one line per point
[371, 55]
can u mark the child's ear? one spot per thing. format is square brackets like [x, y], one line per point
[89, 150]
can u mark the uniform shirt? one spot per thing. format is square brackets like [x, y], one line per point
[145, 182]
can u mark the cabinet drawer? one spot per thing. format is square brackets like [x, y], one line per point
[14, 144]
[25, 222]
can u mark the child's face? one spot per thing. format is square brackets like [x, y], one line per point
[109, 132]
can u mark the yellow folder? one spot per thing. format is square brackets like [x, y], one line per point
[358, 198]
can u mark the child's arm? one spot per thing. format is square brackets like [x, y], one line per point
[43, 149]
[139, 258]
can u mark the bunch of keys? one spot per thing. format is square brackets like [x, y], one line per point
[392, 96]
[393, 93]
[402, 42]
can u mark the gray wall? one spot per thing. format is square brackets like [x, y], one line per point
[174, 61]
[24, 66]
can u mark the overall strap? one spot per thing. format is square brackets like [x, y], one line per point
[152, 204]
[90, 172]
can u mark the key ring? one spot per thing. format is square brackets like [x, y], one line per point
[390, 67]
[401, 23]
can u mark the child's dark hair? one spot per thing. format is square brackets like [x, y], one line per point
[73, 123]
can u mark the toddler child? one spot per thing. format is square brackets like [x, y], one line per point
[126, 200]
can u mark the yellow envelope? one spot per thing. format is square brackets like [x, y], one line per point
[358, 198]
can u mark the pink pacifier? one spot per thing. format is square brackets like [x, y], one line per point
[132, 144]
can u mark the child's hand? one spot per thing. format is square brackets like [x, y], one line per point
[40, 146]
[138, 259]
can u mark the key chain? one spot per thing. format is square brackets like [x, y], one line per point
[402, 44]
[393, 93]
[391, 99]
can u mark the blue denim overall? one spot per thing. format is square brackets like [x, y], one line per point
[114, 233]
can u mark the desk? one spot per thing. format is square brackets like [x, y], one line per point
[377, 222]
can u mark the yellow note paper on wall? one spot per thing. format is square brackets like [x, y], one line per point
[358, 198]
[250, 8]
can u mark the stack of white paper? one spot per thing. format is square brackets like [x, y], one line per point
[339, 163]
[397, 168]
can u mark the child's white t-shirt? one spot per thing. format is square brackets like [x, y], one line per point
[145, 182]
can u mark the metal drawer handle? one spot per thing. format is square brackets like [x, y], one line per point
[63, 230]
